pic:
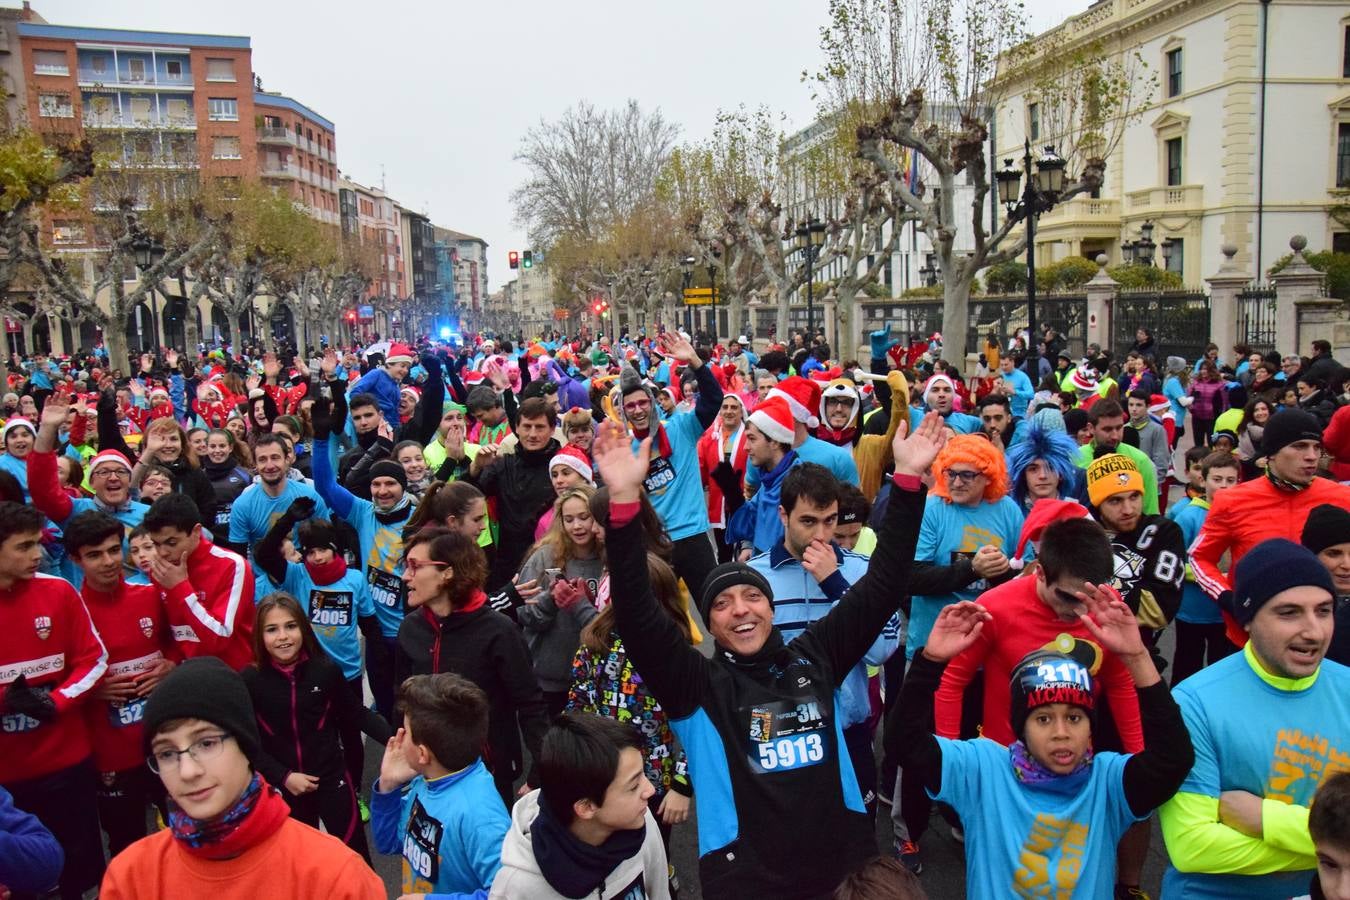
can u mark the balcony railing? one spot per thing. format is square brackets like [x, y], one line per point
[272, 134]
[1177, 197]
[131, 121]
[158, 161]
[1086, 211]
[281, 170]
[134, 80]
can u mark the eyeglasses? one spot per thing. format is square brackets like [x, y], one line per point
[416, 565]
[637, 406]
[963, 476]
[109, 472]
[204, 748]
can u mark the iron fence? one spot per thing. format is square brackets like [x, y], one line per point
[1178, 320]
[1256, 318]
[1003, 315]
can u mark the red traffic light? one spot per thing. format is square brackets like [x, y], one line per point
[351, 315]
[514, 259]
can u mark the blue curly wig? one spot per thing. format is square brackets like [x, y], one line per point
[1043, 441]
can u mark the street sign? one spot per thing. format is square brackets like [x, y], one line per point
[367, 313]
[700, 296]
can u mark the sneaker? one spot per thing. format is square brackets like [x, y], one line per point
[364, 810]
[908, 854]
[1130, 893]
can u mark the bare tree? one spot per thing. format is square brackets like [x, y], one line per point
[589, 169]
[925, 77]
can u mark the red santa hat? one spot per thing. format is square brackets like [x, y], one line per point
[16, 422]
[412, 390]
[159, 392]
[472, 377]
[110, 456]
[1046, 512]
[775, 419]
[400, 353]
[937, 378]
[573, 458]
[802, 396]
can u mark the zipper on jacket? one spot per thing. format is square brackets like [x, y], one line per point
[295, 726]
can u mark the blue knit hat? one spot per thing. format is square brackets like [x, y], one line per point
[1271, 567]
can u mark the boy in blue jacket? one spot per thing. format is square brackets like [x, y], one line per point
[450, 823]
[30, 858]
[384, 381]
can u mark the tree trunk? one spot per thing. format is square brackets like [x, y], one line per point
[192, 335]
[781, 334]
[846, 331]
[956, 314]
[115, 340]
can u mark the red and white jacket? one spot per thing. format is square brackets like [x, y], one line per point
[211, 614]
[135, 630]
[50, 639]
[709, 456]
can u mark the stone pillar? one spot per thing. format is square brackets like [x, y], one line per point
[1324, 319]
[1296, 283]
[830, 304]
[1101, 291]
[1224, 287]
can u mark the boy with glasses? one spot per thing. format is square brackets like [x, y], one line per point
[230, 833]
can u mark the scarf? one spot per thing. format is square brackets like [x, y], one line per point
[1029, 771]
[572, 867]
[258, 813]
[1283, 484]
[842, 437]
[396, 513]
[328, 572]
[660, 443]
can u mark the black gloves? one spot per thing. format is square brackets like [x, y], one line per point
[301, 508]
[35, 703]
[320, 418]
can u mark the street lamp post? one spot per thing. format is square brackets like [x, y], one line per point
[149, 252]
[810, 236]
[1038, 195]
[646, 297]
[712, 285]
[686, 279]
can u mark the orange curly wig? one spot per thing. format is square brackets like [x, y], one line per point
[974, 450]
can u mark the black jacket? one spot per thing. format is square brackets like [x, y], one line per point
[521, 485]
[488, 649]
[761, 732]
[300, 717]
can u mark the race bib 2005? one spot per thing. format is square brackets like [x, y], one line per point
[331, 609]
[784, 735]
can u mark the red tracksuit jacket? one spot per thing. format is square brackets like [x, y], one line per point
[211, 614]
[49, 638]
[135, 630]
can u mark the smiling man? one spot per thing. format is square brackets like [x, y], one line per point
[1268, 724]
[230, 832]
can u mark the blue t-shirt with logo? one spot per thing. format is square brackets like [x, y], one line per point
[1055, 839]
[333, 610]
[673, 482]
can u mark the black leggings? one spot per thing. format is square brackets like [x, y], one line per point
[1203, 431]
[1198, 645]
[334, 804]
[122, 801]
[380, 671]
[354, 742]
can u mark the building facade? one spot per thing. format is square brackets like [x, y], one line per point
[297, 154]
[1244, 138]
[471, 280]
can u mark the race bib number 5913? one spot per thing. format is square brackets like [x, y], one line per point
[787, 734]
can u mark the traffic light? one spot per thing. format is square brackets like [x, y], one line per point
[514, 259]
[351, 315]
[528, 262]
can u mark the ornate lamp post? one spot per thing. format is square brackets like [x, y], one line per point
[1026, 202]
[686, 278]
[810, 237]
[148, 253]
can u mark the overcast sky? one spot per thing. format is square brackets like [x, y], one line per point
[433, 97]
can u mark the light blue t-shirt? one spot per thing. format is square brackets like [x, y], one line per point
[333, 610]
[254, 513]
[1022, 392]
[674, 484]
[1252, 736]
[1049, 840]
[1173, 391]
[950, 531]
[1197, 607]
[959, 422]
[813, 450]
[449, 831]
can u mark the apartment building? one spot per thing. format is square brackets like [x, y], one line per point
[297, 153]
[471, 281]
[161, 105]
[377, 221]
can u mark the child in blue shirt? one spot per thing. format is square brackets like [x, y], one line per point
[450, 821]
[1043, 817]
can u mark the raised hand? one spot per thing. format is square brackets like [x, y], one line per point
[328, 365]
[385, 431]
[54, 412]
[623, 469]
[171, 359]
[956, 628]
[674, 345]
[301, 508]
[253, 382]
[914, 453]
[271, 366]
[1110, 621]
[394, 768]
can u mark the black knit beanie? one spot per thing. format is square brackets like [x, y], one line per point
[1287, 427]
[387, 468]
[1273, 566]
[725, 576]
[207, 689]
[1327, 526]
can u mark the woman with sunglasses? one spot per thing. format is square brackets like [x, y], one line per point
[453, 628]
